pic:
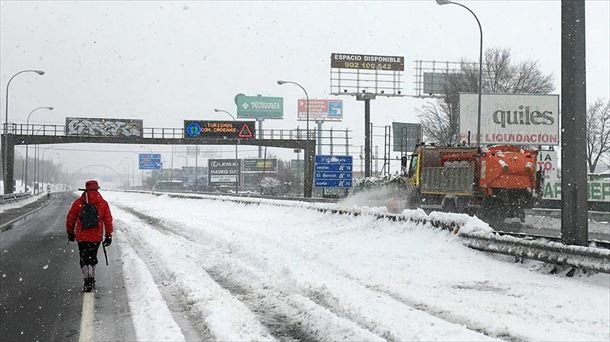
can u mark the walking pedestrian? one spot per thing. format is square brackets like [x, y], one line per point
[88, 220]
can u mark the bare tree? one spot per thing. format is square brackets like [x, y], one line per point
[500, 75]
[439, 122]
[598, 132]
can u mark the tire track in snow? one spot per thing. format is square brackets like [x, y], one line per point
[220, 315]
[174, 301]
[287, 316]
[151, 316]
[338, 298]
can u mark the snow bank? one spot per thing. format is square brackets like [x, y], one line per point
[467, 223]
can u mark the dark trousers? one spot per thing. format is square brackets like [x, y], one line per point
[88, 253]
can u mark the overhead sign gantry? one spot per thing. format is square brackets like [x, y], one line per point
[103, 131]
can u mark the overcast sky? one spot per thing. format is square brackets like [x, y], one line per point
[166, 62]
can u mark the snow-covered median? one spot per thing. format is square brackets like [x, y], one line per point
[21, 203]
[347, 277]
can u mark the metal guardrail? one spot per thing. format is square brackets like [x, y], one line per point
[589, 258]
[556, 213]
[8, 198]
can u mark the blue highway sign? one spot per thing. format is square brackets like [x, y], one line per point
[333, 172]
[149, 161]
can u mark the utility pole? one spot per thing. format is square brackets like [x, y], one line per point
[574, 220]
[367, 97]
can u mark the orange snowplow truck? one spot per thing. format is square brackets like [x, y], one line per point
[494, 183]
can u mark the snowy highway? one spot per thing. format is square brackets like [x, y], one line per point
[202, 269]
[257, 272]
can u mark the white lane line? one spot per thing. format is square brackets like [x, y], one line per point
[86, 323]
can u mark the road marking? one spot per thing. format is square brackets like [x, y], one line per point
[86, 323]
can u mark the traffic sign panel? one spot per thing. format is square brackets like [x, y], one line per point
[223, 172]
[333, 171]
[406, 136]
[260, 165]
[149, 161]
[219, 129]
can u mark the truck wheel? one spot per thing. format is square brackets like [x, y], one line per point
[449, 205]
[493, 216]
[521, 213]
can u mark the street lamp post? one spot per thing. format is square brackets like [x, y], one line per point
[5, 159]
[232, 117]
[126, 161]
[27, 147]
[445, 2]
[280, 82]
[36, 163]
[45, 167]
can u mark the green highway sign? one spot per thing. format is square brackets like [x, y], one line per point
[260, 107]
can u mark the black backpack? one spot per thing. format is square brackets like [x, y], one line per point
[88, 215]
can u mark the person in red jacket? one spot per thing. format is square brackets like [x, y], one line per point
[89, 238]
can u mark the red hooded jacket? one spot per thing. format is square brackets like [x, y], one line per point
[104, 218]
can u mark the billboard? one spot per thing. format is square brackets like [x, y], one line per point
[598, 190]
[102, 127]
[547, 161]
[320, 110]
[406, 136]
[369, 62]
[260, 165]
[223, 172]
[260, 107]
[149, 161]
[219, 129]
[514, 119]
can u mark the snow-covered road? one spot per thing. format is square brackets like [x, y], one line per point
[261, 272]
